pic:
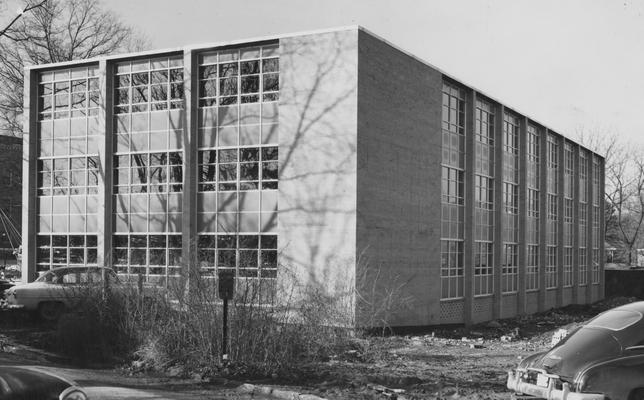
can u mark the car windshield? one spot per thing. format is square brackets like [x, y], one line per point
[615, 320]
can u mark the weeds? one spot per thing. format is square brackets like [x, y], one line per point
[275, 325]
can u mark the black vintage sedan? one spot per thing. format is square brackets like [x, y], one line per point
[604, 359]
[22, 383]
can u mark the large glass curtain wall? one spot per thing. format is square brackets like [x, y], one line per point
[238, 161]
[452, 198]
[67, 163]
[148, 166]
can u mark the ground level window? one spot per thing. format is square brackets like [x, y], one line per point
[483, 268]
[53, 251]
[510, 268]
[451, 269]
[247, 256]
[551, 268]
[153, 256]
[532, 268]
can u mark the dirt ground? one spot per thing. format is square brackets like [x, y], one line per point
[444, 363]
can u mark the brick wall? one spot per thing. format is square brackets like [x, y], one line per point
[399, 153]
[10, 190]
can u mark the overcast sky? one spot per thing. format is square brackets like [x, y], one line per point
[568, 64]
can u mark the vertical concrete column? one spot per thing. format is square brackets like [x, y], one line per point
[589, 226]
[543, 215]
[189, 225]
[560, 218]
[105, 174]
[575, 225]
[523, 213]
[468, 228]
[602, 229]
[29, 175]
[497, 245]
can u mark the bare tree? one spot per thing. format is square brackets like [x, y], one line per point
[19, 14]
[55, 31]
[623, 188]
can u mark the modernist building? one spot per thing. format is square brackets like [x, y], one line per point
[322, 153]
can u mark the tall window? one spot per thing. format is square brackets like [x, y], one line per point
[552, 217]
[533, 205]
[509, 268]
[238, 161]
[483, 269]
[451, 269]
[510, 229]
[551, 267]
[148, 166]
[532, 268]
[484, 171]
[567, 267]
[583, 218]
[452, 208]
[568, 213]
[67, 167]
[596, 271]
[583, 176]
[583, 267]
[568, 219]
[597, 215]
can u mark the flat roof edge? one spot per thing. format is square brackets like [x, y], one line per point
[200, 46]
[477, 90]
[205, 46]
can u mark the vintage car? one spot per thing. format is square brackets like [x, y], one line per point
[603, 359]
[21, 383]
[60, 289]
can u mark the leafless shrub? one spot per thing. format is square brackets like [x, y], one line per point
[275, 325]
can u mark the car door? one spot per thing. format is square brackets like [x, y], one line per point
[67, 287]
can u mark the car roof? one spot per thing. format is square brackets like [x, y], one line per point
[83, 267]
[636, 306]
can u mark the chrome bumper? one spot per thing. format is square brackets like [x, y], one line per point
[515, 383]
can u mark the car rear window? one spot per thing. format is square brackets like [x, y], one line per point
[615, 320]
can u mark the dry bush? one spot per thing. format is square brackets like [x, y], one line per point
[271, 328]
[274, 325]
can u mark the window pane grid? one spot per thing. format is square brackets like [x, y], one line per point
[158, 172]
[149, 85]
[451, 269]
[483, 269]
[154, 256]
[453, 117]
[238, 160]
[246, 168]
[567, 267]
[247, 256]
[54, 251]
[68, 94]
[551, 267]
[510, 268]
[583, 177]
[583, 267]
[596, 276]
[237, 76]
[532, 268]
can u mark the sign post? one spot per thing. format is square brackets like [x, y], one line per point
[226, 292]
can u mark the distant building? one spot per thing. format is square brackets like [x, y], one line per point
[10, 197]
[333, 154]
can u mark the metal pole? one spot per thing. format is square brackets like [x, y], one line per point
[224, 344]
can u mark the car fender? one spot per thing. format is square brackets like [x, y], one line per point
[31, 295]
[615, 378]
